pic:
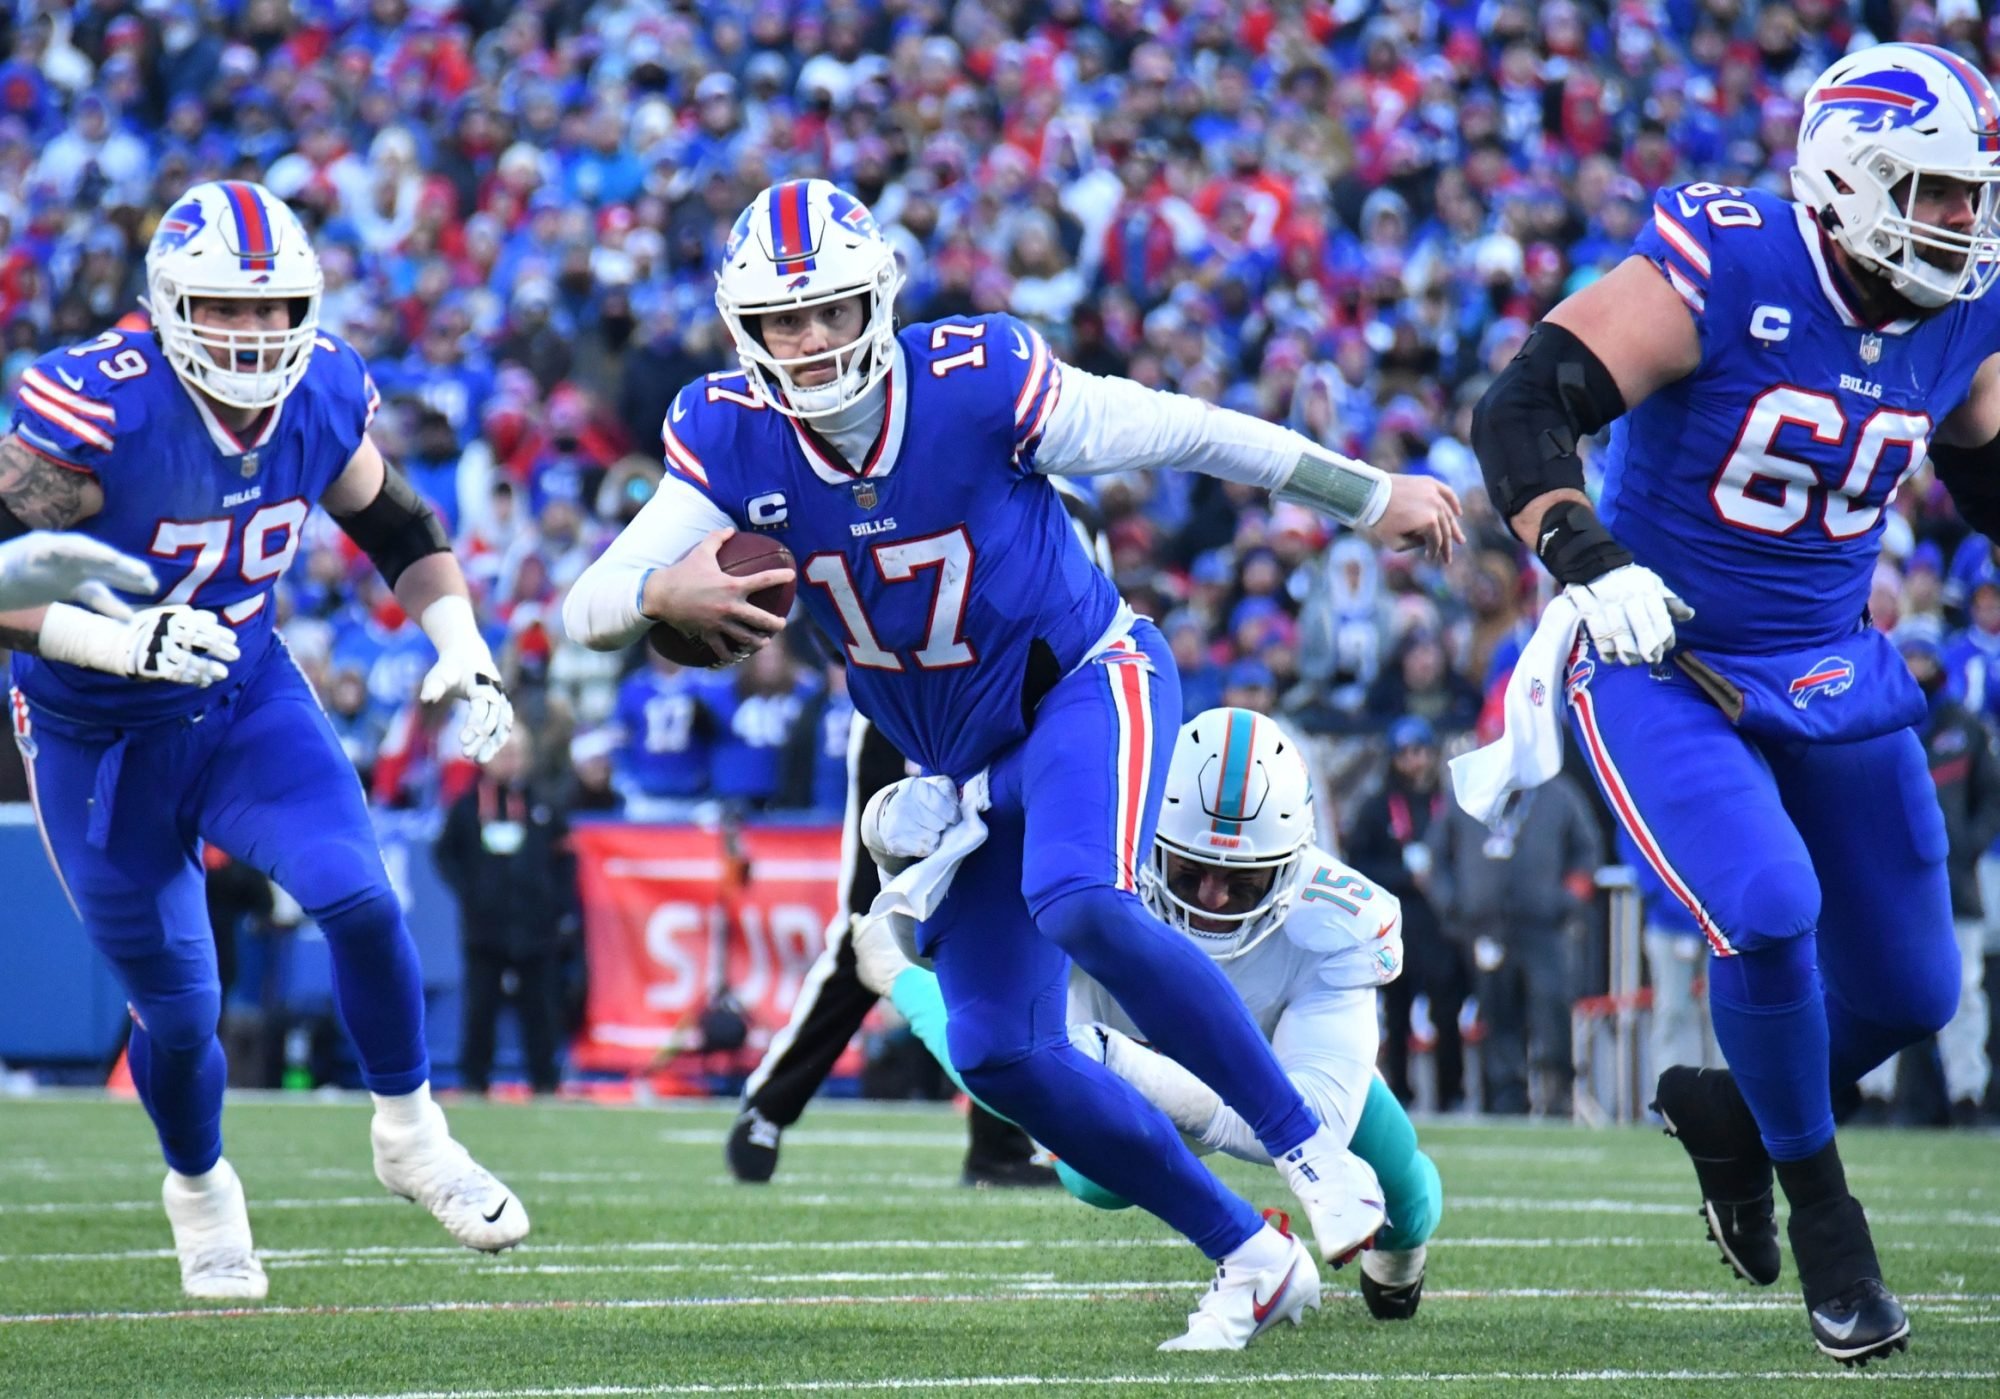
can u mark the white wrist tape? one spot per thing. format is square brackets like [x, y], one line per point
[451, 626]
[80, 637]
[1352, 492]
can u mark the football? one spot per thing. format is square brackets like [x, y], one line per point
[740, 555]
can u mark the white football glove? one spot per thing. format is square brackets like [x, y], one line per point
[45, 567]
[490, 716]
[180, 645]
[465, 670]
[1630, 614]
[907, 819]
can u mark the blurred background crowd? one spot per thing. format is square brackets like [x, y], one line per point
[1342, 215]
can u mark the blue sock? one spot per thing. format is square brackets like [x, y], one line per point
[1412, 1194]
[1770, 1019]
[378, 989]
[1183, 1006]
[1108, 1133]
[179, 1070]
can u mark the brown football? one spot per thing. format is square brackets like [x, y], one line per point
[740, 555]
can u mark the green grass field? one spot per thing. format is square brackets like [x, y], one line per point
[1569, 1262]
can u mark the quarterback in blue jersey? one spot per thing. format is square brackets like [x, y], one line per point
[907, 472]
[201, 447]
[1775, 370]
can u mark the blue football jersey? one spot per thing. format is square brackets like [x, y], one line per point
[1756, 486]
[945, 569]
[218, 517]
[667, 742]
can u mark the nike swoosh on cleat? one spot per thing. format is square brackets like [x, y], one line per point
[1260, 1310]
[1840, 1332]
[498, 1210]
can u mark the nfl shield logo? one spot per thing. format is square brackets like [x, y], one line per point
[1871, 348]
[249, 464]
[864, 494]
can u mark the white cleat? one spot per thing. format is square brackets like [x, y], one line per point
[212, 1236]
[1242, 1303]
[424, 1164]
[1342, 1197]
[878, 956]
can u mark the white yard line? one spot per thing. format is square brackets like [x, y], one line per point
[1171, 1378]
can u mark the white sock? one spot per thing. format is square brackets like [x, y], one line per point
[1262, 1251]
[214, 1178]
[405, 1109]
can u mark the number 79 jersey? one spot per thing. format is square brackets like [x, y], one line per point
[218, 516]
[1756, 486]
[943, 567]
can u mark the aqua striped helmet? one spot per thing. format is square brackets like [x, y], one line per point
[1236, 822]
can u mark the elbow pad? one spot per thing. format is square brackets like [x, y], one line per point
[396, 528]
[1972, 475]
[1551, 395]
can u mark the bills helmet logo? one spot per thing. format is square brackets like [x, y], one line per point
[851, 212]
[1830, 677]
[1880, 101]
[737, 236]
[182, 222]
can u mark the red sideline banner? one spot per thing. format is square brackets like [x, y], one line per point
[664, 932]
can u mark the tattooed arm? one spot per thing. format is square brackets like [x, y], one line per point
[38, 492]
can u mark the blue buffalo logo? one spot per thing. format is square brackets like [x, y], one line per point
[737, 235]
[1581, 668]
[182, 223]
[851, 212]
[1884, 101]
[1830, 677]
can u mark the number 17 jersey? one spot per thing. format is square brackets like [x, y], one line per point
[1756, 486]
[942, 566]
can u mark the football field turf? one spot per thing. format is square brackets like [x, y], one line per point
[1568, 1262]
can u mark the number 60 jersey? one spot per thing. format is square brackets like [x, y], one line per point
[1756, 485]
[219, 517]
[944, 569]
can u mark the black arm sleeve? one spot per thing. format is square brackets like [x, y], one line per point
[1527, 424]
[1972, 475]
[396, 528]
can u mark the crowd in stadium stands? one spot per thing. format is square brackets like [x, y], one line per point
[1341, 214]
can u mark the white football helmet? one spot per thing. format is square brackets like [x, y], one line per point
[1892, 114]
[231, 238]
[799, 244]
[1238, 799]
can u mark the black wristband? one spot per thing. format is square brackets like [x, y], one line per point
[1575, 546]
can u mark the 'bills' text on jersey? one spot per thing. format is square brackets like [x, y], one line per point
[944, 568]
[1756, 486]
[218, 517]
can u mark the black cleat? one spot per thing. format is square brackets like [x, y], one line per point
[752, 1148]
[1395, 1296]
[1854, 1317]
[1704, 1111]
[1015, 1173]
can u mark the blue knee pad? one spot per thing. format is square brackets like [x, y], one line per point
[1412, 1194]
[1776, 902]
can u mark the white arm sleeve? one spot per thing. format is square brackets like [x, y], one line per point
[1326, 1042]
[602, 609]
[1101, 425]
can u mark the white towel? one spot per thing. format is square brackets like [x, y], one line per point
[921, 887]
[1530, 750]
